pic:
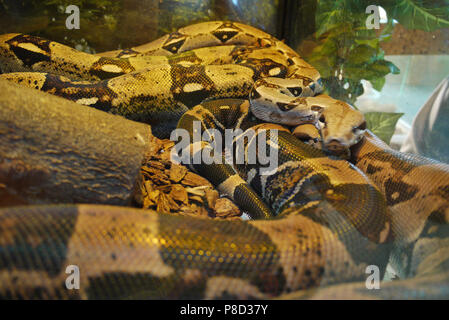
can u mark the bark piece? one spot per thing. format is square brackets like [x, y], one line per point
[179, 193]
[56, 151]
[177, 172]
[195, 180]
[211, 197]
[226, 208]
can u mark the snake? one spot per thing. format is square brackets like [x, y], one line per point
[158, 82]
[331, 218]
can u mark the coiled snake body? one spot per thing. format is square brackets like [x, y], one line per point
[334, 218]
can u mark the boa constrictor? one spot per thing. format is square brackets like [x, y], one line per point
[332, 222]
[158, 82]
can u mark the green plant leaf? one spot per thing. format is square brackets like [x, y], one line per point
[378, 83]
[393, 68]
[333, 12]
[372, 72]
[387, 30]
[347, 51]
[328, 21]
[382, 124]
[427, 15]
[373, 43]
[380, 68]
[361, 55]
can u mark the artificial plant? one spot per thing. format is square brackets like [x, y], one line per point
[346, 51]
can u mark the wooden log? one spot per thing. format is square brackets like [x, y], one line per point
[56, 151]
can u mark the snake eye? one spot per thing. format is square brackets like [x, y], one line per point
[285, 106]
[361, 127]
[295, 91]
[254, 94]
[316, 108]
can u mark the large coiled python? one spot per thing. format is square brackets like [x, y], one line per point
[334, 218]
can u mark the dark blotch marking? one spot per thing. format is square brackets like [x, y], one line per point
[327, 165]
[128, 53]
[174, 42]
[262, 67]
[29, 58]
[372, 169]
[190, 75]
[123, 285]
[123, 64]
[100, 90]
[224, 35]
[322, 118]
[296, 91]
[403, 191]
[362, 126]
[437, 226]
[193, 235]
[285, 106]
[39, 239]
[395, 163]
[39, 293]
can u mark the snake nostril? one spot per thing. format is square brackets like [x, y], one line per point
[312, 87]
[317, 109]
[334, 144]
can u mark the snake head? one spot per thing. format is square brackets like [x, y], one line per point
[281, 100]
[341, 126]
[338, 127]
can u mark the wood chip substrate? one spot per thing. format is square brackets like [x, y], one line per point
[172, 188]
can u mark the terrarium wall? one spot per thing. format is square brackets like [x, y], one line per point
[394, 66]
[115, 24]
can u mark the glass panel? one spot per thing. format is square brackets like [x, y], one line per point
[116, 24]
[388, 59]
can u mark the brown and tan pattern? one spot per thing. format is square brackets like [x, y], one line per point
[157, 82]
[333, 218]
[334, 224]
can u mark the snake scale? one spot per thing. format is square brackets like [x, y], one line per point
[334, 217]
